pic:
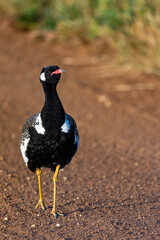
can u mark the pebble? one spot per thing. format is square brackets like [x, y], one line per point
[102, 98]
[1, 158]
[65, 178]
[58, 225]
[33, 226]
[105, 100]
[5, 219]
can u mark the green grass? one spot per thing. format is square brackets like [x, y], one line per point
[133, 26]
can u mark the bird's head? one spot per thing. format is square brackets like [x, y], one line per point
[51, 74]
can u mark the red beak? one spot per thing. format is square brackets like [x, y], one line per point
[58, 71]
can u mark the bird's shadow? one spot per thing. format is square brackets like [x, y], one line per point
[83, 208]
[103, 205]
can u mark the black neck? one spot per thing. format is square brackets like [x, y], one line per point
[52, 113]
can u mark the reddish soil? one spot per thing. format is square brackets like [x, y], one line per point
[111, 189]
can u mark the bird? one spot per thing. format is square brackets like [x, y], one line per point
[49, 138]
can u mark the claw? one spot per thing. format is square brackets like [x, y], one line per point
[42, 204]
[56, 215]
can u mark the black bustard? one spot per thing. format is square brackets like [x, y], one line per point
[49, 138]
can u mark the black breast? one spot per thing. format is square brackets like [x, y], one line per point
[52, 148]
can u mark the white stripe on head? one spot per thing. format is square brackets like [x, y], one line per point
[42, 77]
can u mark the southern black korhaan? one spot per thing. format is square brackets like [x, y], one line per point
[49, 138]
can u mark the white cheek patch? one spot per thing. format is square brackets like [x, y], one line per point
[42, 77]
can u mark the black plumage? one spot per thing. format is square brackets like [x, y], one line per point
[49, 138]
[54, 147]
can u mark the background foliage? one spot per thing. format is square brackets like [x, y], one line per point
[131, 26]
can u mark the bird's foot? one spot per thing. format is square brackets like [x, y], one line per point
[56, 215]
[42, 205]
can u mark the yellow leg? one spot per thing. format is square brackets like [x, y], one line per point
[55, 179]
[40, 202]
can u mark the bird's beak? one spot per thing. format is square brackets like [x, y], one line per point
[58, 71]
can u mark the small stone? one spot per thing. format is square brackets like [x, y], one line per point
[105, 100]
[57, 225]
[1, 158]
[77, 223]
[1, 170]
[102, 98]
[65, 178]
[28, 178]
[5, 219]
[33, 226]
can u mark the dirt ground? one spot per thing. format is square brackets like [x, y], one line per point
[111, 189]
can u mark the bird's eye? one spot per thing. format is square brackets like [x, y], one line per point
[47, 71]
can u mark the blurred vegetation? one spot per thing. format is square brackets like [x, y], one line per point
[131, 26]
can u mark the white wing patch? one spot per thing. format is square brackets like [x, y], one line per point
[23, 148]
[42, 77]
[38, 125]
[66, 125]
